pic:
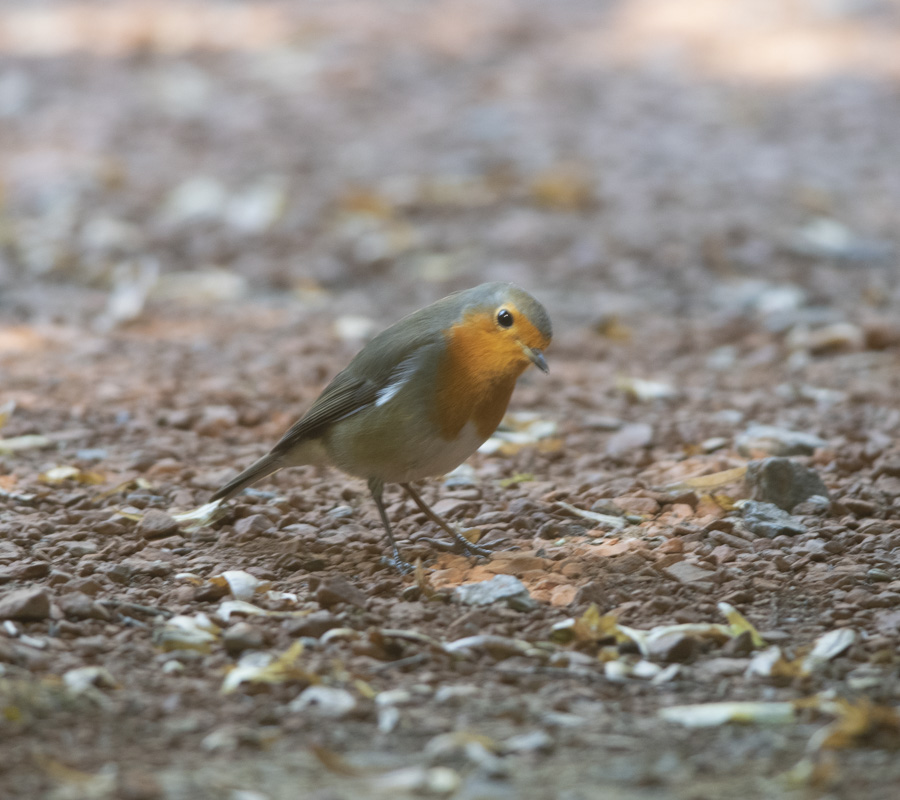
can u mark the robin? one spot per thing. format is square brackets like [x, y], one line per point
[419, 398]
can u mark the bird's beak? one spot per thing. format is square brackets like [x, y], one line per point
[537, 358]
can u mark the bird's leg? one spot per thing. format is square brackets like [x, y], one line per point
[376, 487]
[470, 548]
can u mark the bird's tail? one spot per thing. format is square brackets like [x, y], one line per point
[268, 464]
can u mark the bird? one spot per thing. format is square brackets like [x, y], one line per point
[418, 399]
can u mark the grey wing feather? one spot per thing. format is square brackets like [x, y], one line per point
[387, 359]
[345, 395]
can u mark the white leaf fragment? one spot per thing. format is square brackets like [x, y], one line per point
[708, 715]
[200, 517]
[828, 646]
[242, 584]
[607, 520]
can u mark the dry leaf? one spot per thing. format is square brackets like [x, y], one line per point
[182, 632]
[828, 646]
[607, 520]
[706, 715]
[707, 483]
[70, 473]
[517, 431]
[858, 723]
[644, 390]
[201, 517]
[29, 442]
[739, 624]
[255, 667]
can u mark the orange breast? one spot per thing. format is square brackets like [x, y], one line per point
[476, 377]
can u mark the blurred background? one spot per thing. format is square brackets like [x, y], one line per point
[618, 157]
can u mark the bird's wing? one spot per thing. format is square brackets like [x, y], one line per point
[353, 390]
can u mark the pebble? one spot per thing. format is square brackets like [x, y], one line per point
[326, 701]
[784, 482]
[775, 441]
[337, 589]
[631, 437]
[78, 605]
[313, 625]
[25, 604]
[687, 573]
[243, 636]
[673, 647]
[767, 519]
[157, 524]
[255, 524]
[501, 588]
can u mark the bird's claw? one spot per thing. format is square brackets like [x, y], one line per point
[401, 565]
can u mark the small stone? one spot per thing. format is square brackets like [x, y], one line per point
[78, 605]
[118, 573]
[644, 506]
[685, 572]
[254, 525]
[767, 519]
[631, 437]
[313, 625]
[157, 524]
[33, 571]
[563, 595]
[25, 604]
[332, 591]
[517, 564]
[673, 646]
[722, 667]
[775, 441]
[859, 507]
[242, 636]
[784, 482]
[326, 701]
[502, 588]
[532, 742]
[673, 545]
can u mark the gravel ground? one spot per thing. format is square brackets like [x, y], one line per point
[205, 210]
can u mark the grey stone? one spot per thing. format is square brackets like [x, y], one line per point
[25, 604]
[157, 524]
[784, 482]
[242, 636]
[767, 519]
[332, 591]
[501, 588]
[252, 525]
[691, 574]
[673, 646]
[78, 605]
[630, 438]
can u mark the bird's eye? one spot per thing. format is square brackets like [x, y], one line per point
[504, 318]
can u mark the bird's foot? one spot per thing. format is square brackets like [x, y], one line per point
[398, 563]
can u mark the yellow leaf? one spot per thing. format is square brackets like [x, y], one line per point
[859, 723]
[519, 477]
[706, 483]
[738, 624]
[282, 669]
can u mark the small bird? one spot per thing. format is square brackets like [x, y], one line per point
[419, 398]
